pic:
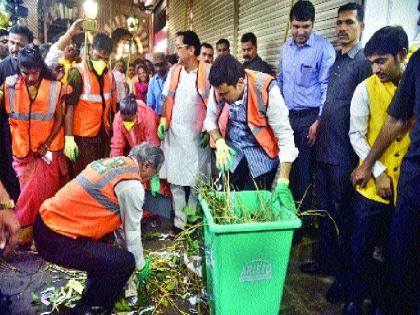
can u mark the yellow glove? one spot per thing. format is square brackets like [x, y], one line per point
[70, 148]
[224, 155]
[162, 128]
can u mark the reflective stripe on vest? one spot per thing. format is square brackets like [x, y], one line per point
[87, 85]
[94, 190]
[35, 116]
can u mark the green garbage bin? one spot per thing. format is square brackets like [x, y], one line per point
[246, 264]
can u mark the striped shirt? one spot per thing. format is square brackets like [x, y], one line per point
[242, 140]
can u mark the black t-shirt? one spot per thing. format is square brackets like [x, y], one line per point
[8, 67]
[406, 102]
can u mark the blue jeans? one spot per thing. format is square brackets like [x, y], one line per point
[370, 225]
[334, 193]
[403, 256]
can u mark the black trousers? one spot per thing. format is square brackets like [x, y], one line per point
[108, 268]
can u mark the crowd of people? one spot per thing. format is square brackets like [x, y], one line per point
[84, 141]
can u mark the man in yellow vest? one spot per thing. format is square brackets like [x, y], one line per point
[90, 105]
[254, 139]
[373, 204]
[185, 141]
[106, 196]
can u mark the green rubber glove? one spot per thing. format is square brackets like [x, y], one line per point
[224, 155]
[71, 149]
[284, 196]
[204, 139]
[155, 185]
[162, 128]
[144, 274]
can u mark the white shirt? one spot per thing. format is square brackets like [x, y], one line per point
[130, 195]
[359, 118]
[120, 83]
[53, 56]
[278, 119]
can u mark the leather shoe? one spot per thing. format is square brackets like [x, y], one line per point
[352, 308]
[335, 293]
[313, 268]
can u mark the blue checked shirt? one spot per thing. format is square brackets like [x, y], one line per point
[241, 139]
[154, 94]
[304, 71]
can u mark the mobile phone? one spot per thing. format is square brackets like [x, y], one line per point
[89, 25]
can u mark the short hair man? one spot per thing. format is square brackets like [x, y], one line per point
[154, 93]
[252, 144]
[185, 145]
[386, 50]
[206, 53]
[305, 61]
[223, 47]
[19, 37]
[106, 196]
[249, 53]
[402, 294]
[89, 105]
[4, 41]
[334, 153]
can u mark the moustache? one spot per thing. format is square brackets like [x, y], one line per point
[342, 34]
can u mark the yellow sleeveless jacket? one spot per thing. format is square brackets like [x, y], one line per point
[380, 96]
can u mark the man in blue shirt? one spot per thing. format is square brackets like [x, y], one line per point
[154, 94]
[305, 61]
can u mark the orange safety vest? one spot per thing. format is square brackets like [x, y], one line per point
[31, 122]
[87, 206]
[89, 112]
[258, 84]
[203, 88]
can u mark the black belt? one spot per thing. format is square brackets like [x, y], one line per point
[304, 112]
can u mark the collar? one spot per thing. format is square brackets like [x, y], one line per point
[90, 65]
[353, 52]
[162, 78]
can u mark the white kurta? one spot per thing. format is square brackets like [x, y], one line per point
[185, 160]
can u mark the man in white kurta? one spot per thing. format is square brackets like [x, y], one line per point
[186, 160]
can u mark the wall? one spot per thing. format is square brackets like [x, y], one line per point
[379, 13]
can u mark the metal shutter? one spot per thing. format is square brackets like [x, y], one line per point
[177, 20]
[212, 20]
[32, 20]
[267, 20]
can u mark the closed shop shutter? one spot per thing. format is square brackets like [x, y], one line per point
[267, 20]
[212, 20]
[177, 21]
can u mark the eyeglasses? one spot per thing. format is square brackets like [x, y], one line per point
[181, 46]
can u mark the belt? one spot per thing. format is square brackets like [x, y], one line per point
[304, 112]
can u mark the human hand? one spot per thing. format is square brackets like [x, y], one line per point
[204, 139]
[155, 185]
[71, 150]
[383, 185]
[361, 175]
[9, 229]
[224, 155]
[313, 132]
[162, 128]
[283, 194]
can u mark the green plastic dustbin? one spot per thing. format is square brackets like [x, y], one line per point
[246, 264]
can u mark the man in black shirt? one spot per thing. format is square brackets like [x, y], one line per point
[403, 254]
[19, 37]
[251, 59]
[334, 153]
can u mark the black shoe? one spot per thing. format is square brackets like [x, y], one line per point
[313, 268]
[335, 293]
[352, 308]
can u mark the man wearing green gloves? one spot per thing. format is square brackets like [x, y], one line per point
[91, 101]
[247, 118]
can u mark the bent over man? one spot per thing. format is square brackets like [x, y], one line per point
[108, 194]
